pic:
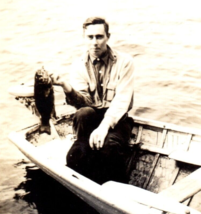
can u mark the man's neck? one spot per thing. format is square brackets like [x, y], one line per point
[103, 56]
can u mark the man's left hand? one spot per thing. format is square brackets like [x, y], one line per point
[97, 137]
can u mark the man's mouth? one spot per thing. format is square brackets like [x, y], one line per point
[96, 49]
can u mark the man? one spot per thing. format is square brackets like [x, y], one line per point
[101, 87]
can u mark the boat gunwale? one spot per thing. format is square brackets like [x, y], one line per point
[168, 126]
[70, 179]
[91, 192]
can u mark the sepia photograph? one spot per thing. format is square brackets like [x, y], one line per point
[100, 107]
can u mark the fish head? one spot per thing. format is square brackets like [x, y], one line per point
[42, 77]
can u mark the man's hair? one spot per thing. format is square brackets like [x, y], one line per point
[97, 20]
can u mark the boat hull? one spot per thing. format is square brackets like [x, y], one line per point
[152, 153]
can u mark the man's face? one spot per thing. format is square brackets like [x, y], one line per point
[96, 39]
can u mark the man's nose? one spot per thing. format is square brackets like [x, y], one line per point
[94, 41]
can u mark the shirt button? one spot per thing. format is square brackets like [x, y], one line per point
[98, 59]
[100, 72]
[102, 85]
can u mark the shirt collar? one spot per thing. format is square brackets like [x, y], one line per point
[110, 54]
[104, 58]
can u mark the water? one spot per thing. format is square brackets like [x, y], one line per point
[163, 37]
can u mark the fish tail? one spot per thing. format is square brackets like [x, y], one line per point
[45, 125]
[45, 129]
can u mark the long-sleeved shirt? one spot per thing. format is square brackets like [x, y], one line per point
[118, 86]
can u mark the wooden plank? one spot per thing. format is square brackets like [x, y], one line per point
[185, 188]
[144, 121]
[135, 131]
[187, 157]
[154, 149]
[163, 136]
[175, 140]
[174, 176]
[162, 175]
[33, 129]
[195, 202]
[163, 151]
[134, 136]
[169, 126]
[53, 130]
[187, 201]
[155, 211]
[188, 141]
[28, 130]
[142, 166]
[147, 136]
[156, 158]
[145, 197]
[56, 150]
[197, 138]
[153, 168]
[139, 134]
[185, 170]
[151, 136]
[195, 146]
[182, 129]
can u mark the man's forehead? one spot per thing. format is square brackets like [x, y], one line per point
[95, 29]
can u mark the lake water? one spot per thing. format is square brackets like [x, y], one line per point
[162, 36]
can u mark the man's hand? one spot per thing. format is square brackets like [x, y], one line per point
[58, 80]
[97, 137]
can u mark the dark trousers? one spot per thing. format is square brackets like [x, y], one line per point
[105, 164]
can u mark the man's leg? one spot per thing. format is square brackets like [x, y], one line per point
[81, 157]
[84, 122]
[111, 158]
[105, 164]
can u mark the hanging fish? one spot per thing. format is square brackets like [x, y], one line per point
[44, 99]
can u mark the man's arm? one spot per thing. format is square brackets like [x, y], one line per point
[78, 98]
[124, 95]
[119, 105]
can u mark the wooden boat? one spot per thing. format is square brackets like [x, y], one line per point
[163, 165]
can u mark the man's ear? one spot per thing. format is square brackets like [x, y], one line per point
[108, 35]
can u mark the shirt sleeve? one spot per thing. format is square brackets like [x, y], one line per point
[77, 99]
[123, 99]
[79, 96]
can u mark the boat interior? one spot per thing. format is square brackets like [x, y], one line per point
[162, 158]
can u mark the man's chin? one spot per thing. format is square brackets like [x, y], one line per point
[95, 53]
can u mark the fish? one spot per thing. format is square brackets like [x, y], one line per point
[44, 99]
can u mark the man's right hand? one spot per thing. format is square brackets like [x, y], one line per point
[58, 80]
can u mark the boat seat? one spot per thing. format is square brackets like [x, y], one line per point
[152, 200]
[178, 155]
[185, 188]
[186, 156]
[56, 150]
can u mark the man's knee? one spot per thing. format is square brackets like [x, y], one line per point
[112, 147]
[77, 152]
[84, 122]
[84, 112]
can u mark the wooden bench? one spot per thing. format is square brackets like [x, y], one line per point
[185, 188]
[152, 200]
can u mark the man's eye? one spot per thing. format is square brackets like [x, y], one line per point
[90, 37]
[99, 37]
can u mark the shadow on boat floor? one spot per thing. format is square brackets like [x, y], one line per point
[47, 196]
